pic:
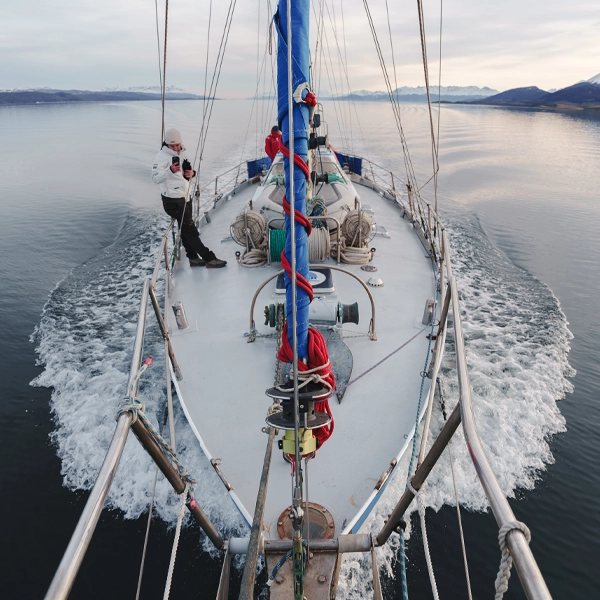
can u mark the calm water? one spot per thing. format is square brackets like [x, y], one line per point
[519, 191]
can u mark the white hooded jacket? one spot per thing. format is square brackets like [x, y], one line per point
[172, 185]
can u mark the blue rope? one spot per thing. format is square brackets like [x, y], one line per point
[282, 561]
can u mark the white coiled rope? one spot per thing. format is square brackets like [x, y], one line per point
[506, 561]
[248, 229]
[356, 223]
[248, 226]
[355, 226]
[350, 255]
[319, 245]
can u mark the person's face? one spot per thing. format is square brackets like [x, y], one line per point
[175, 147]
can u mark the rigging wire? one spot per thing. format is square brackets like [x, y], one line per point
[434, 150]
[341, 63]
[439, 114]
[159, 71]
[207, 56]
[207, 112]
[344, 64]
[411, 176]
[254, 101]
[164, 78]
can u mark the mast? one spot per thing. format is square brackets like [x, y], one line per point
[295, 179]
[292, 24]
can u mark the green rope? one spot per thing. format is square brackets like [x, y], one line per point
[276, 244]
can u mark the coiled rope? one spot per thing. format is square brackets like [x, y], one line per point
[317, 370]
[248, 229]
[319, 245]
[357, 224]
[276, 243]
[350, 255]
[506, 561]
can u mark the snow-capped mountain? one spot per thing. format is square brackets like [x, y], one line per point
[147, 89]
[448, 90]
[595, 79]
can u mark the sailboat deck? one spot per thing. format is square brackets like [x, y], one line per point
[225, 377]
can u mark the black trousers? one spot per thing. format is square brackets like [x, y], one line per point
[182, 211]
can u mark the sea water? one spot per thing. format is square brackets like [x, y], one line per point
[518, 192]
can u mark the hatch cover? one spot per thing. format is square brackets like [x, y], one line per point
[318, 521]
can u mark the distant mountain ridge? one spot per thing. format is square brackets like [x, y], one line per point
[404, 93]
[585, 94]
[53, 96]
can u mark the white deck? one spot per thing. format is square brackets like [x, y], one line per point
[225, 378]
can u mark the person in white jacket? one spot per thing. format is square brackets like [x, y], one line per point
[172, 171]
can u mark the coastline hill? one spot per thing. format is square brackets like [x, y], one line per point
[585, 94]
[49, 95]
[516, 97]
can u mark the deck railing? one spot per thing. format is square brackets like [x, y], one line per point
[207, 196]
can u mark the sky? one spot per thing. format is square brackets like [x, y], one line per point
[85, 44]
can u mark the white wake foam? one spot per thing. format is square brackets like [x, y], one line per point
[85, 340]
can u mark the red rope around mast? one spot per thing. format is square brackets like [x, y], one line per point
[317, 347]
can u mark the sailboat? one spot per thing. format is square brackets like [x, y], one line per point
[308, 368]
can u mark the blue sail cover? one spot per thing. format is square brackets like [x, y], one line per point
[255, 167]
[300, 11]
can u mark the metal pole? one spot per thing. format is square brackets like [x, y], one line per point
[80, 540]
[254, 546]
[69, 565]
[527, 568]
[419, 477]
[438, 352]
[172, 439]
[205, 523]
[158, 456]
[165, 332]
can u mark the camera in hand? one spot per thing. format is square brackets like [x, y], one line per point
[187, 165]
[175, 160]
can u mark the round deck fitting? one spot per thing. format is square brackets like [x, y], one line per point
[369, 268]
[320, 523]
[375, 282]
